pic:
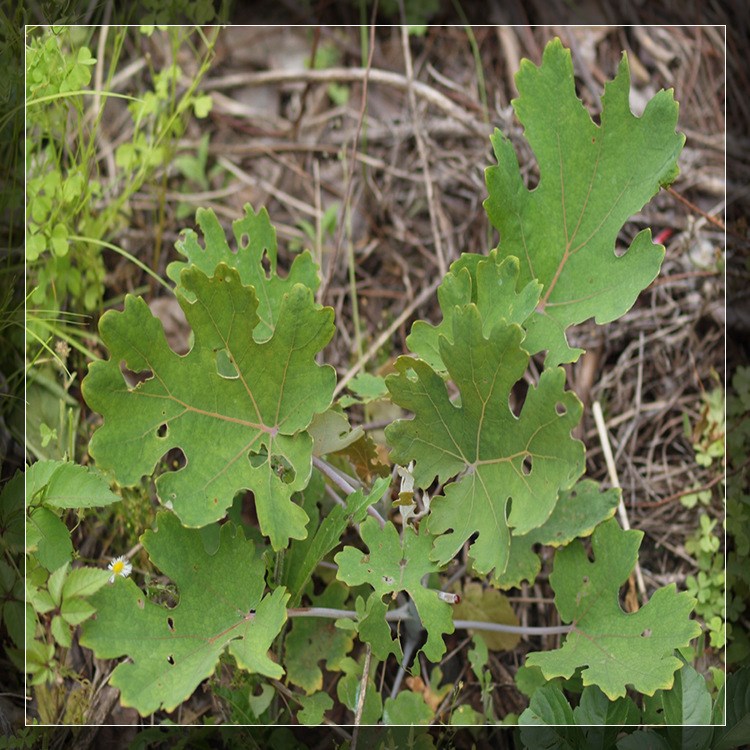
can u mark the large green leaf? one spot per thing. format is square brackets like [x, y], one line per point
[237, 409]
[616, 649]
[172, 650]
[593, 178]
[499, 457]
[255, 237]
[394, 565]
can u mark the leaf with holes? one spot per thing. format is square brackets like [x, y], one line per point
[256, 242]
[494, 456]
[614, 648]
[593, 178]
[238, 409]
[488, 282]
[576, 514]
[172, 650]
[394, 565]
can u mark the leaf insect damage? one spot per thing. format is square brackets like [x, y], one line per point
[252, 409]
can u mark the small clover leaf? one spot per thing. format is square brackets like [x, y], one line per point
[394, 565]
[236, 408]
[173, 650]
[495, 455]
[614, 648]
[592, 179]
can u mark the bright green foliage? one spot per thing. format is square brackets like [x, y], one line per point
[489, 283]
[526, 459]
[48, 538]
[256, 239]
[577, 513]
[173, 650]
[61, 484]
[592, 179]
[616, 649]
[314, 640]
[65, 595]
[394, 565]
[243, 429]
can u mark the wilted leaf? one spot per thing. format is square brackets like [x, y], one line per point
[488, 605]
[173, 650]
[593, 178]
[615, 649]
[500, 457]
[237, 409]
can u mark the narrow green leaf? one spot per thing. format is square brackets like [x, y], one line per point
[55, 583]
[305, 555]
[593, 178]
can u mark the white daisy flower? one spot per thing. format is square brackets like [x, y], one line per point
[120, 567]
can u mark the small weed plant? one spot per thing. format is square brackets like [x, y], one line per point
[289, 554]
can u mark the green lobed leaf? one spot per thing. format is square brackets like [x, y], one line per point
[255, 237]
[313, 708]
[394, 565]
[483, 441]
[406, 708]
[237, 433]
[312, 640]
[172, 650]
[616, 649]
[577, 513]
[490, 283]
[593, 178]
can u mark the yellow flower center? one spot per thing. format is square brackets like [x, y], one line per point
[118, 566]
